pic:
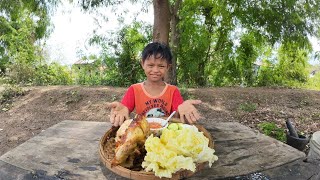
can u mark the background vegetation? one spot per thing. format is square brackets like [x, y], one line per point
[215, 43]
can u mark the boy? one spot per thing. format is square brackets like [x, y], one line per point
[154, 97]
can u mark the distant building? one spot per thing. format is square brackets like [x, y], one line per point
[90, 66]
[83, 63]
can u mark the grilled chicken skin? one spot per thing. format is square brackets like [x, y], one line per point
[131, 142]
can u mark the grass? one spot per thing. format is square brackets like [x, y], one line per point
[73, 97]
[248, 107]
[272, 130]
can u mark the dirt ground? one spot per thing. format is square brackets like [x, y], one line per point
[43, 107]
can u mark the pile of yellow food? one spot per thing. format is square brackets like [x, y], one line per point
[178, 148]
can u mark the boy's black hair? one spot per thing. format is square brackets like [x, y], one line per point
[158, 50]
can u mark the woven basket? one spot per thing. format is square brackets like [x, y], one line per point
[107, 154]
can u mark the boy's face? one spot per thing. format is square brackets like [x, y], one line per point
[155, 68]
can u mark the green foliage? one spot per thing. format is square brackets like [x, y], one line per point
[278, 20]
[218, 44]
[17, 39]
[313, 82]
[8, 94]
[73, 97]
[89, 73]
[228, 73]
[289, 69]
[22, 23]
[292, 63]
[129, 67]
[20, 73]
[52, 74]
[208, 30]
[267, 76]
[196, 34]
[271, 129]
[247, 55]
[123, 66]
[248, 107]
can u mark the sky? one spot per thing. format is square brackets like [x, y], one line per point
[73, 28]
[316, 47]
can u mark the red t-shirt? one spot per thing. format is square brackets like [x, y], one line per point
[164, 104]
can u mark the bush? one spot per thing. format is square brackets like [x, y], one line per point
[313, 82]
[10, 92]
[271, 129]
[7, 95]
[20, 73]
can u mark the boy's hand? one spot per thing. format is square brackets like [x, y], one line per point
[119, 113]
[188, 113]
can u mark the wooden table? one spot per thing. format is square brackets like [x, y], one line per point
[69, 150]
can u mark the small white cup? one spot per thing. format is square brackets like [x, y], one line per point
[157, 131]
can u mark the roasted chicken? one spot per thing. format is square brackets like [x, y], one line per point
[131, 143]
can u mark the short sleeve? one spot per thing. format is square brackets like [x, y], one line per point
[128, 99]
[176, 100]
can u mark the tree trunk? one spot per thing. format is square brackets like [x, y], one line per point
[161, 25]
[175, 34]
[201, 80]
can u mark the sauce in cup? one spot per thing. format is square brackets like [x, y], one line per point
[154, 125]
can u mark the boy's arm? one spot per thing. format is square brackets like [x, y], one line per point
[185, 109]
[188, 113]
[120, 110]
[119, 113]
